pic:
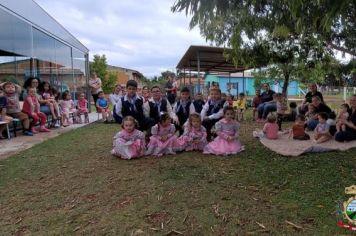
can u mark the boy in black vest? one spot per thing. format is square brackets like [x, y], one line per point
[198, 103]
[156, 104]
[132, 105]
[212, 111]
[183, 108]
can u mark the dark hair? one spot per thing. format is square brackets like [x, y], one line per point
[300, 117]
[241, 94]
[163, 117]
[315, 96]
[155, 86]
[323, 115]
[332, 115]
[228, 108]
[185, 90]
[293, 105]
[145, 87]
[346, 105]
[55, 91]
[42, 85]
[129, 118]
[131, 83]
[28, 82]
[100, 92]
[64, 95]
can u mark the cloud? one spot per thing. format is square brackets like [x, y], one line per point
[141, 35]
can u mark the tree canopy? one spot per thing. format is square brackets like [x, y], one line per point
[291, 35]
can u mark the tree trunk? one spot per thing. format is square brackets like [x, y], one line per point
[285, 84]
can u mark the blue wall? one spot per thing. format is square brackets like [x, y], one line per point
[246, 85]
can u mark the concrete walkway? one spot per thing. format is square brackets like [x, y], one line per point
[9, 147]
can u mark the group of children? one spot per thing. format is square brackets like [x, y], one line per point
[197, 122]
[30, 115]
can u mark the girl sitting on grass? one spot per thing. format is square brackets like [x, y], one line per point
[194, 136]
[163, 140]
[226, 143]
[129, 143]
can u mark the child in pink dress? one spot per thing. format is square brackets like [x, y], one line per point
[31, 107]
[129, 143]
[194, 136]
[82, 108]
[163, 140]
[270, 128]
[226, 143]
[67, 106]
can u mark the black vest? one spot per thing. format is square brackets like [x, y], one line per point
[154, 114]
[215, 109]
[198, 105]
[183, 114]
[135, 111]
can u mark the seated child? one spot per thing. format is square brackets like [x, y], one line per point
[82, 108]
[310, 114]
[270, 128]
[163, 140]
[183, 108]
[226, 143]
[298, 129]
[13, 109]
[102, 106]
[230, 100]
[256, 101]
[342, 117]
[240, 106]
[46, 93]
[129, 143]
[31, 107]
[3, 116]
[212, 111]
[194, 136]
[67, 106]
[321, 132]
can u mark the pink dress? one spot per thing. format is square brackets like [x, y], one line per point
[270, 130]
[128, 145]
[82, 106]
[220, 145]
[67, 106]
[192, 139]
[157, 147]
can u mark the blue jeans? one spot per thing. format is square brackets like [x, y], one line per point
[265, 108]
[311, 124]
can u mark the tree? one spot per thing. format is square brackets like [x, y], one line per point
[99, 66]
[282, 33]
[109, 82]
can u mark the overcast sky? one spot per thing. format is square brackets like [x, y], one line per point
[136, 34]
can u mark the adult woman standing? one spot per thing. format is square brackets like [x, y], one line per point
[95, 86]
[350, 132]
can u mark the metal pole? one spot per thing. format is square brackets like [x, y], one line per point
[190, 77]
[243, 82]
[184, 76]
[198, 58]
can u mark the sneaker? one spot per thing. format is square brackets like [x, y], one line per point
[57, 125]
[27, 133]
[44, 129]
[34, 131]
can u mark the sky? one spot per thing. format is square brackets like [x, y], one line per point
[135, 34]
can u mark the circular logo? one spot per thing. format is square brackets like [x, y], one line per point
[351, 211]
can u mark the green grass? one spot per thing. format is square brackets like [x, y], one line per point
[71, 185]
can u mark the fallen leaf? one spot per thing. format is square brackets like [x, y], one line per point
[173, 232]
[18, 221]
[76, 229]
[186, 217]
[155, 229]
[261, 225]
[294, 225]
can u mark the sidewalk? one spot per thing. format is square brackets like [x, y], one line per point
[9, 147]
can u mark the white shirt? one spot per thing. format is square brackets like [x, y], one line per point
[147, 109]
[213, 116]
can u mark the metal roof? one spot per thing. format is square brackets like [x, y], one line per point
[211, 59]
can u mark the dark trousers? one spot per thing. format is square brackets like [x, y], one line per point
[347, 135]
[209, 124]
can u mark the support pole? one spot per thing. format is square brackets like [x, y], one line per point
[198, 59]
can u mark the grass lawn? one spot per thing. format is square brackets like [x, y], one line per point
[71, 185]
